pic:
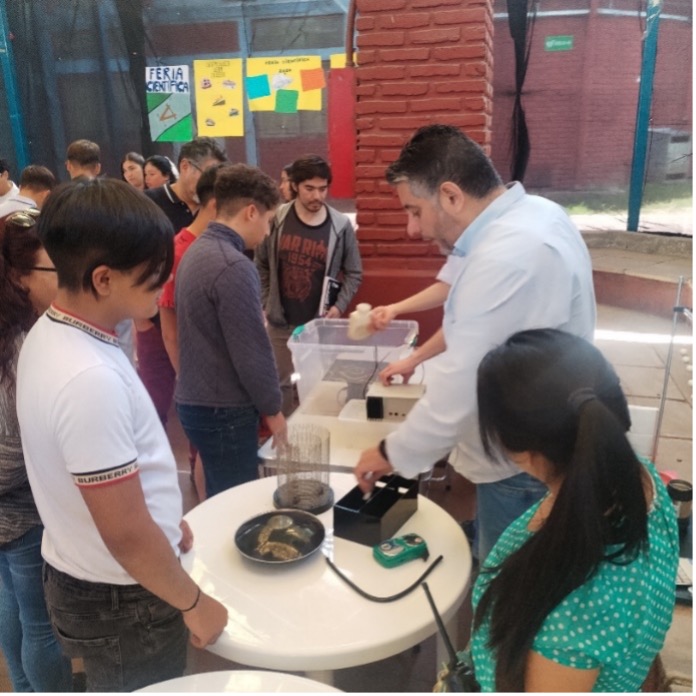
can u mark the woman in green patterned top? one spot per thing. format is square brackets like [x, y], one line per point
[578, 593]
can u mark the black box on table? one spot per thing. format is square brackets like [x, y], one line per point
[393, 500]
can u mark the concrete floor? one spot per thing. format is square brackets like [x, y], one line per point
[637, 344]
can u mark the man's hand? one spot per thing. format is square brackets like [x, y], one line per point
[333, 313]
[186, 543]
[206, 621]
[279, 428]
[404, 367]
[371, 466]
[381, 317]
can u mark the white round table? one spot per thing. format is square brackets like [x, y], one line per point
[302, 616]
[243, 681]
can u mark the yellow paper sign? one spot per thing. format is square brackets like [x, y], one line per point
[338, 60]
[219, 97]
[285, 84]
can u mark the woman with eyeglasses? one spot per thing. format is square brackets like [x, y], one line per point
[27, 286]
[159, 170]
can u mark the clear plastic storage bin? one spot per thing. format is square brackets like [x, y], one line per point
[322, 352]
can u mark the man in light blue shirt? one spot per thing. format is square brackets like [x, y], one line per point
[524, 265]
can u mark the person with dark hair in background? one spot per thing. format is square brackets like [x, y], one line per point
[7, 187]
[227, 376]
[132, 171]
[578, 593]
[27, 286]
[99, 463]
[83, 159]
[35, 184]
[311, 245]
[522, 264]
[179, 202]
[159, 170]
[285, 185]
[205, 189]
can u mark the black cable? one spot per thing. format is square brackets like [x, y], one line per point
[391, 598]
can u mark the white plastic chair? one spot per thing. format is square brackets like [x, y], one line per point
[643, 432]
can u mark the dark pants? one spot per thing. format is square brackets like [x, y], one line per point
[155, 369]
[498, 504]
[127, 637]
[227, 440]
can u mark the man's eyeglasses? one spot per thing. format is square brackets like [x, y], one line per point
[44, 268]
[195, 166]
[23, 218]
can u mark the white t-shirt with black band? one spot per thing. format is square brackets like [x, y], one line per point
[87, 420]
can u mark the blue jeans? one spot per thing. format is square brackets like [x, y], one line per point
[127, 637]
[34, 658]
[500, 503]
[227, 440]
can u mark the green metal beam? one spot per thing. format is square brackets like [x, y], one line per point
[640, 138]
[14, 106]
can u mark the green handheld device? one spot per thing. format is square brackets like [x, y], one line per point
[399, 550]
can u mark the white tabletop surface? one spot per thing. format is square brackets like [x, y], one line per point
[302, 617]
[243, 681]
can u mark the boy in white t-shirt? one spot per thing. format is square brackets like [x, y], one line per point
[99, 462]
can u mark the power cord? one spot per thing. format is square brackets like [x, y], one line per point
[391, 598]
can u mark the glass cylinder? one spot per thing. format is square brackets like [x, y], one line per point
[303, 470]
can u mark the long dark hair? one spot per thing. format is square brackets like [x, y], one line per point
[549, 392]
[19, 246]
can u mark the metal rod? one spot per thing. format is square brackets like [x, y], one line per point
[441, 627]
[668, 367]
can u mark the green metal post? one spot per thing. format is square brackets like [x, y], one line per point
[13, 106]
[640, 138]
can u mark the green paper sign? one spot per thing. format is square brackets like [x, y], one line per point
[558, 43]
[286, 101]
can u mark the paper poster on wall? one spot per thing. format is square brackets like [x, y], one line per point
[168, 97]
[285, 84]
[219, 97]
[338, 60]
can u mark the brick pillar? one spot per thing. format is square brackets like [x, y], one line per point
[420, 62]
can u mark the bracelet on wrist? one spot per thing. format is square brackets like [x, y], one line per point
[195, 601]
[382, 447]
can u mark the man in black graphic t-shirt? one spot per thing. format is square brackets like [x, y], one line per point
[308, 242]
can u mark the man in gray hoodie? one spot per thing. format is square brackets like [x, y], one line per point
[309, 265]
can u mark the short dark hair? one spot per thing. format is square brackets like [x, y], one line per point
[238, 185]
[89, 223]
[164, 165]
[439, 153]
[201, 148]
[309, 167]
[205, 188]
[37, 178]
[84, 152]
[4, 166]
